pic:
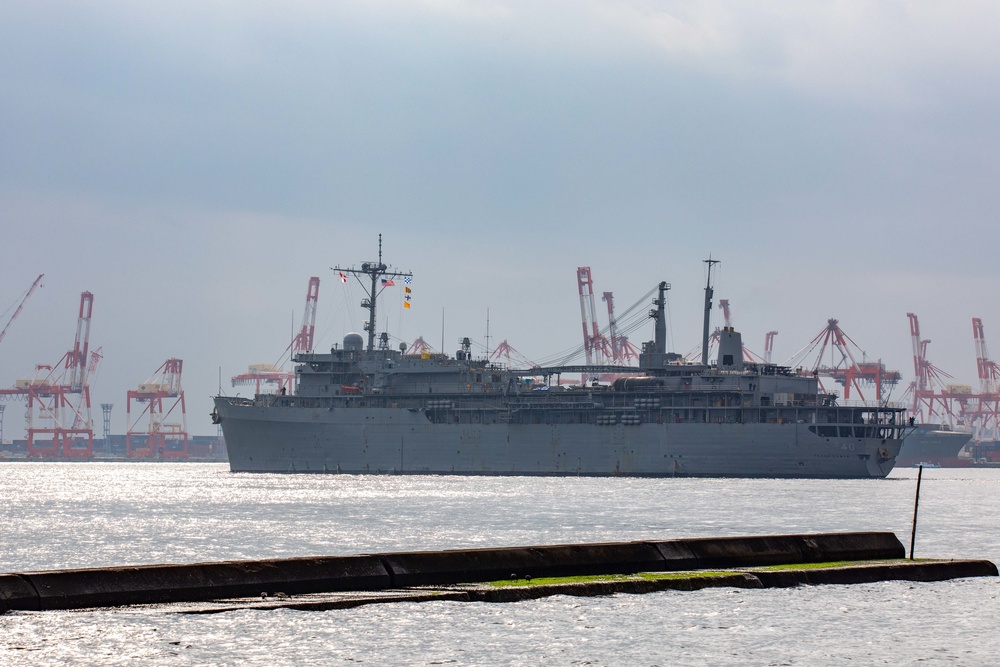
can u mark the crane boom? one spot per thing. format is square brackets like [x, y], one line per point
[20, 306]
[304, 341]
[76, 360]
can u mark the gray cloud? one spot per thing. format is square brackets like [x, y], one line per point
[194, 163]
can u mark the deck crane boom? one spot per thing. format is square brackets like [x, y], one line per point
[20, 306]
[769, 345]
[726, 315]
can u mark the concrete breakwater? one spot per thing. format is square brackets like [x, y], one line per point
[153, 584]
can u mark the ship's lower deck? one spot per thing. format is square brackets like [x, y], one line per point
[263, 438]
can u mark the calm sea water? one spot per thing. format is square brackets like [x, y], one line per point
[82, 515]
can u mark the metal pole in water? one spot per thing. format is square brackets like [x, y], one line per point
[916, 503]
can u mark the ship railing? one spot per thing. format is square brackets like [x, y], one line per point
[896, 405]
[710, 389]
[277, 401]
[240, 400]
[556, 405]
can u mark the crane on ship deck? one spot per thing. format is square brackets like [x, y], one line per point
[769, 345]
[713, 339]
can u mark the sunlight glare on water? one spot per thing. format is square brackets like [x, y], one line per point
[100, 514]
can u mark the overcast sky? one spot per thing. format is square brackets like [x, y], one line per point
[194, 163]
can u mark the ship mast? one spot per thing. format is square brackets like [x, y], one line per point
[381, 277]
[708, 311]
[660, 328]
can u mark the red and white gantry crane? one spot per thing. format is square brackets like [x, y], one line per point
[933, 402]
[302, 343]
[841, 364]
[20, 306]
[622, 351]
[985, 410]
[160, 395]
[57, 410]
[596, 347]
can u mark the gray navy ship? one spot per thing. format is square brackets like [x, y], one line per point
[367, 408]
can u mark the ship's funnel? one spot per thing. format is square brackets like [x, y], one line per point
[730, 350]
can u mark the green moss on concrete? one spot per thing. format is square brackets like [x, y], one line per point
[596, 578]
[832, 564]
[694, 574]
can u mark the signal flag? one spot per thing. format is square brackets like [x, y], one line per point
[343, 278]
[406, 304]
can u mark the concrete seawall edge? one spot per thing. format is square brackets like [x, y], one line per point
[152, 584]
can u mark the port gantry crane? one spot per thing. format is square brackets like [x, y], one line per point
[302, 342]
[985, 410]
[988, 370]
[420, 346]
[159, 438]
[57, 411]
[932, 400]
[596, 346]
[20, 306]
[939, 402]
[600, 349]
[504, 351]
[623, 352]
[842, 365]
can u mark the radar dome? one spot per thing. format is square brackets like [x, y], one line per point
[353, 342]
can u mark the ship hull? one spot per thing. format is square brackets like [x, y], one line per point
[401, 441]
[929, 445]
